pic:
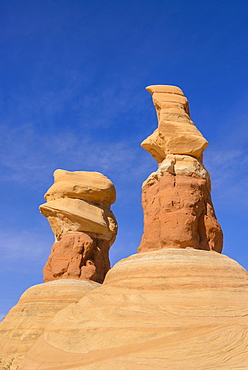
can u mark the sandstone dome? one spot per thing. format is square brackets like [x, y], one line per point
[171, 309]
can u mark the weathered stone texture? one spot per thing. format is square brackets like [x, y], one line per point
[178, 305]
[178, 210]
[78, 256]
[90, 186]
[176, 133]
[66, 214]
[78, 210]
[167, 309]
[26, 321]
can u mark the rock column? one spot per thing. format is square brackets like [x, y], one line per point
[176, 199]
[78, 210]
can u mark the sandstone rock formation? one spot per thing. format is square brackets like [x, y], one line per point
[78, 210]
[178, 305]
[176, 133]
[178, 211]
[167, 309]
[26, 321]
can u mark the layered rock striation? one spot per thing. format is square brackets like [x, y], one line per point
[176, 132]
[78, 210]
[178, 305]
[176, 199]
[167, 309]
[26, 321]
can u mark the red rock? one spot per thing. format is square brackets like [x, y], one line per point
[178, 210]
[78, 210]
[78, 256]
[178, 213]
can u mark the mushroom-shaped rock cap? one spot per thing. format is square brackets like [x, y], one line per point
[68, 214]
[176, 133]
[90, 186]
[167, 89]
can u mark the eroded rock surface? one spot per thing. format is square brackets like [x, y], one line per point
[78, 256]
[176, 199]
[26, 321]
[78, 210]
[176, 133]
[167, 309]
[173, 307]
[90, 186]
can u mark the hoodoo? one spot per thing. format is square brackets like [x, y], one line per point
[78, 210]
[178, 210]
[176, 305]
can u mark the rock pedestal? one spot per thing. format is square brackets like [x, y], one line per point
[78, 210]
[178, 305]
[167, 309]
[178, 210]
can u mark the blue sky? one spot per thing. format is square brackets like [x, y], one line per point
[72, 95]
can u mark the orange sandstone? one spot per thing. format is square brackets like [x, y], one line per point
[167, 309]
[78, 256]
[178, 305]
[26, 321]
[78, 210]
[178, 210]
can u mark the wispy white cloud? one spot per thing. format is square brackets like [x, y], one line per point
[28, 157]
[24, 245]
[226, 158]
[229, 176]
[224, 165]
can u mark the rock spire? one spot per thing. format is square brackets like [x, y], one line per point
[175, 307]
[178, 210]
[78, 210]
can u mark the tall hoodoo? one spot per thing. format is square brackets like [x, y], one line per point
[78, 210]
[178, 210]
[170, 308]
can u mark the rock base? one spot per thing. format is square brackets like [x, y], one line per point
[168, 309]
[26, 321]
